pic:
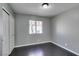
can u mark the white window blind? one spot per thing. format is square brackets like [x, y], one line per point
[35, 27]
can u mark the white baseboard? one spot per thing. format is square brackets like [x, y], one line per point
[11, 51]
[31, 44]
[65, 48]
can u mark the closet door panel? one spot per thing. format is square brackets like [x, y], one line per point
[5, 45]
[11, 33]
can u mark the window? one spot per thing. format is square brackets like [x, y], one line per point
[32, 27]
[35, 27]
[39, 26]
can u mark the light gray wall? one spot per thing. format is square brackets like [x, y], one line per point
[65, 29]
[22, 30]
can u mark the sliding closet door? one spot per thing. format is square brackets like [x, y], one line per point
[0, 33]
[11, 33]
[6, 44]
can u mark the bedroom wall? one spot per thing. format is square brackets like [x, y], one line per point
[22, 30]
[65, 30]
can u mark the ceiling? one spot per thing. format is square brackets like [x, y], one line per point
[37, 9]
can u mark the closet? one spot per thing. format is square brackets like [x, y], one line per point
[8, 32]
[0, 32]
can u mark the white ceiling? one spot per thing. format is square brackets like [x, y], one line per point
[36, 9]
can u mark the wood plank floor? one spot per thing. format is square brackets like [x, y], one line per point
[46, 49]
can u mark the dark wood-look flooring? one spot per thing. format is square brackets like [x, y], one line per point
[46, 49]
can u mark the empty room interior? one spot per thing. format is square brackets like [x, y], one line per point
[39, 29]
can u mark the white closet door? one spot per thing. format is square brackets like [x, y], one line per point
[5, 49]
[11, 33]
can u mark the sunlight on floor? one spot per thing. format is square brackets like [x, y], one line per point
[37, 52]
